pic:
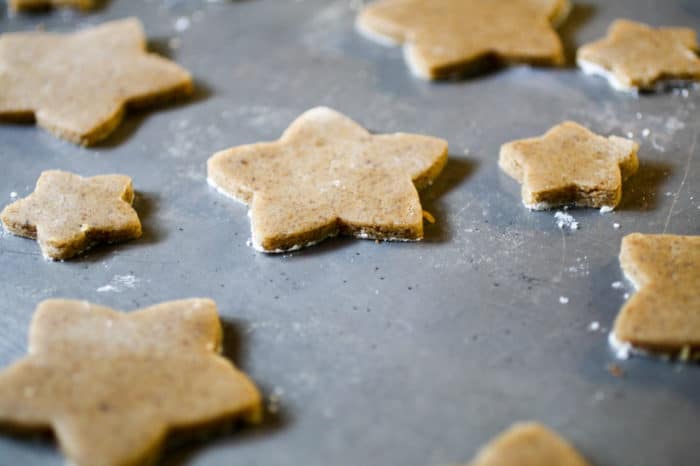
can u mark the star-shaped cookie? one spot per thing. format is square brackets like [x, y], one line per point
[528, 444]
[635, 56]
[112, 385]
[443, 38]
[78, 85]
[664, 315]
[19, 5]
[570, 165]
[327, 175]
[68, 214]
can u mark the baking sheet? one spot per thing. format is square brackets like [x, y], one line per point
[389, 354]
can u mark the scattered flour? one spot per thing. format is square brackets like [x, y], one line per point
[182, 24]
[119, 283]
[566, 221]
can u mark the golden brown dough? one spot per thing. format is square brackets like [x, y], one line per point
[570, 165]
[78, 85]
[326, 176]
[443, 38]
[528, 444]
[664, 315]
[28, 5]
[636, 56]
[68, 214]
[112, 385]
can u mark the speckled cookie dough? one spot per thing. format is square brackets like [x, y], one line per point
[664, 315]
[570, 165]
[528, 444]
[68, 214]
[29, 5]
[78, 85]
[112, 385]
[327, 176]
[444, 38]
[635, 56]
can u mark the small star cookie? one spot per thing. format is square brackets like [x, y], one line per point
[570, 166]
[635, 56]
[664, 315]
[528, 444]
[19, 5]
[68, 214]
[112, 385]
[443, 38]
[78, 85]
[326, 176]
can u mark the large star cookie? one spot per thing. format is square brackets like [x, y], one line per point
[18, 5]
[79, 85]
[443, 38]
[326, 176]
[112, 385]
[68, 214]
[635, 56]
[570, 166]
[528, 444]
[664, 315]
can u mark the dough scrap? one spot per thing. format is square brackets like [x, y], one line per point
[327, 175]
[570, 165]
[528, 444]
[635, 56]
[664, 315]
[78, 85]
[444, 38]
[29, 5]
[68, 214]
[111, 385]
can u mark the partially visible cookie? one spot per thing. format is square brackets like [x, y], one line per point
[664, 314]
[326, 176]
[443, 38]
[79, 85]
[635, 56]
[570, 165]
[112, 385]
[68, 214]
[528, 444]
[19, 5]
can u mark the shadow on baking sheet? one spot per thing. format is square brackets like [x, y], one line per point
[145, 204]
[639, 193]
[580, 14]
[456, 171]
[181, 447]
[135, 117]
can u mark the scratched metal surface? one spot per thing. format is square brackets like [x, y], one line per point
[390, 354]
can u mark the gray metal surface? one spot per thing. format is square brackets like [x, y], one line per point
[389, 354]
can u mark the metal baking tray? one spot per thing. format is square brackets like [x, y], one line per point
[380, 354]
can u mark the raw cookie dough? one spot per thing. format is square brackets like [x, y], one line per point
[19, 5]
[443, 38]
[112, 385]
[664, 315]
[68, 214]
[528, 444]
[570, 166]
[78, 85]
[635, 56]
[326, 176]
